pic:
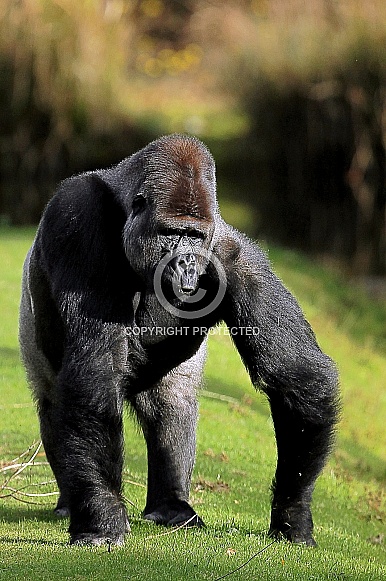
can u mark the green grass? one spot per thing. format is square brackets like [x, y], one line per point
[235, 459]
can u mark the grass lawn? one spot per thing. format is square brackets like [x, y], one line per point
[235, 460]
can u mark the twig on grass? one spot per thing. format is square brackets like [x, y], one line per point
[16, 406]
[18, 467]
[130, 502]
[13, 466]
[219, 396]
[24, 501]
[13, 491]
[135, 483]
[246, 562]
[27, 451]
[38, 483]
[23, 465]
[17, 493]
[174, 530]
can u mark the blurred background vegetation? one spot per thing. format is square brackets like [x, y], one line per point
[290, 96]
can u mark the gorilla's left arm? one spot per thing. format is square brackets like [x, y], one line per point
[280, 351]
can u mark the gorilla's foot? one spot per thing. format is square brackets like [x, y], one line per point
[101, 538]
[99, 523]
[62, 511]
[61, 508]
[294, 537]
[293, 524]
[174, 513]
[97, 539]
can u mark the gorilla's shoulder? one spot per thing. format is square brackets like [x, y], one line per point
[79, 194]
[82, 220]
[82, 201]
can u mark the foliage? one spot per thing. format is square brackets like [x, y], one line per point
[290, 97]
[62, 66]
[71, 53]
[235, 460]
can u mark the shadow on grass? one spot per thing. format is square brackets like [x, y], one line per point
[37, 542]
[16, 514]
[354, 460]
[10, 357]
[248, 397]
[14, 234]
[359, 462]
[362, 317]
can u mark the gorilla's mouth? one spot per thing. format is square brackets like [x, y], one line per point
[185, 269]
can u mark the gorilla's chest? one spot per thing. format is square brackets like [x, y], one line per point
[160, 356]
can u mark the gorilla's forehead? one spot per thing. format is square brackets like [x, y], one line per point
[180, 174]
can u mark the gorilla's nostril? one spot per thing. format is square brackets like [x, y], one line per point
[186, 260]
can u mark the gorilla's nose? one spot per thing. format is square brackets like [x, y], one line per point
[187, 271]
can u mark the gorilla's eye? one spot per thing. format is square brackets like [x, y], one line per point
[139, 203]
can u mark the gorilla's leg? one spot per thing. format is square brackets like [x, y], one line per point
[42, 380]
[50, 443]
[168, 416]
[87, 420]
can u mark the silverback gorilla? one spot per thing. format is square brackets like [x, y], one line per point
[130, 268]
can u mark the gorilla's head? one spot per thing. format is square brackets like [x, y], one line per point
[171, 209]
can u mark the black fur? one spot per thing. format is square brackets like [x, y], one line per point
[90, 307]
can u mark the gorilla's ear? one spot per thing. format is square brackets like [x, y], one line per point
[138, 204]
[80, 239]
[228, 246]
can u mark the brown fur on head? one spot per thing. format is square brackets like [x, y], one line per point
[181, 172]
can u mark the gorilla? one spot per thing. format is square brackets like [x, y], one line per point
[130, 268]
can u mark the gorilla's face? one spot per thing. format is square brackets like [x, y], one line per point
[172, 214]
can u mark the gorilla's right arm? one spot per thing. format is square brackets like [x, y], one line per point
[279, 349]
